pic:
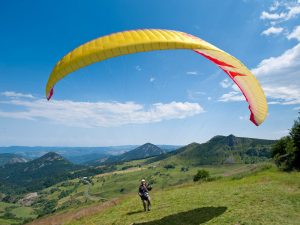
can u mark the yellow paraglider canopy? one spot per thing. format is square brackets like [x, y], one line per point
[129, 42]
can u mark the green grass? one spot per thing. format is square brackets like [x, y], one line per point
[110, 186]
[266, 197]
[20, 213]
[24, 212]
[117, 184]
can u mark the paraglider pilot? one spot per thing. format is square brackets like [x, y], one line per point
[144, 194]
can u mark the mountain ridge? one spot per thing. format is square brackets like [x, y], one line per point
[223, 149]
[144, 151]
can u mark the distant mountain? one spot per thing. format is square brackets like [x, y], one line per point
[78, 155]
[83, 159]
[144, 151]
[220, 150]
[36, 174]
[169, 148]
[8, 158]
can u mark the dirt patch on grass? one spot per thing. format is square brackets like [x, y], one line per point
[63, 218]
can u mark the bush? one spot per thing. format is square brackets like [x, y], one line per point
[169, 166]
[184, 169]
[8, 215]
[201, 175]
[64, 193]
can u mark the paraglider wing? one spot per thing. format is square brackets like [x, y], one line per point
[134, 41]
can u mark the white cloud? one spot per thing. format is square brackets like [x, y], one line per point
[209, 98]
[13, 94]
[192, 73]
[293, 12]
[138, 68]
[97, 114]
[272, 30]
[280, 77]
[232, 96]
[286, 64]
[272, 16]
[275, 6]
[280, 12]
[295, 34]
[152, 79]
[226, 83]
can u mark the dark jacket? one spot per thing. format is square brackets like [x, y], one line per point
[143, 192]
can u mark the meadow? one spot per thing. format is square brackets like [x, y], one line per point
[237, 194]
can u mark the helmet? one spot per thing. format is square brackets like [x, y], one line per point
[143, 180]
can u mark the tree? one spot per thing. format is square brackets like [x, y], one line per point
[295, 135]
[286, 151]
[201, 175]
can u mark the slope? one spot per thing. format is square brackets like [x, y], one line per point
[8, 158]
[222, 150]
[266, 197]
[36, 174]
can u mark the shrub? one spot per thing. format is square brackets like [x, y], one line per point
[8, 215]
[169, 166]
[201, 175]
[184, 169]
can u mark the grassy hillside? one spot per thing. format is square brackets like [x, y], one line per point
[222, 150]
[268, 197]
[246, 194]
[36, 174]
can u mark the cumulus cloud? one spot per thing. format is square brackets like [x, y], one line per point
[280, 77]
[272, 31]
[286, 63]
[97, 114]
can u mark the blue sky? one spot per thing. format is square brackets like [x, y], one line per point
[163, 97]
